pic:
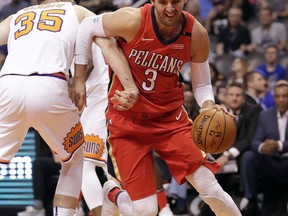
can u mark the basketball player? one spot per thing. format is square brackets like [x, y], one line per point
[34, 90]
[157, 40]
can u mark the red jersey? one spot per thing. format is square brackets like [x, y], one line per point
[155, 64]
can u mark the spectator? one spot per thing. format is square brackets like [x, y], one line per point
[239, 68]
[279, 7]
[235, 38]
[246, 119]
[269, 156]
[244, 5]
[255, 86]
[217, 18]
[220, 94]
[271, 70]
[193, 8]
[268, 32]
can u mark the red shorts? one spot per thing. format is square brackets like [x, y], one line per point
[132, 140]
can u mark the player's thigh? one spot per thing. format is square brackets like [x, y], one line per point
[94, 125]
[56, 118]
[180, 153]
[130, 158]
[13, 121]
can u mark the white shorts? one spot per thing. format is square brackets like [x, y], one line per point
[94, 125]
[43, 103]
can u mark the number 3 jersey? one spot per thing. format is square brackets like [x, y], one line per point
[32, 29]
[155, 65]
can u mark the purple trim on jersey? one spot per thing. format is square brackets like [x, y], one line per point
[36, 74]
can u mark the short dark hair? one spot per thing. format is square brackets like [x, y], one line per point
[270, 45]
[249, 77]
[236, 84]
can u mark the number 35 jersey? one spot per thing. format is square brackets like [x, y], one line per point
[155, 64]
[31, 29]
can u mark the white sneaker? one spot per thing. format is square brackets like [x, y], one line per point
[166, 211]
[123, 200]
[31, 211]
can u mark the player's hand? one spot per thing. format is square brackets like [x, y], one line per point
[218, 107]
[124, 100]
[77, 93]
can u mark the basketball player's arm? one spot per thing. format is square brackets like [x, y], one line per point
[5, 29]
[77, 89]
[114, 56]
[200, 71]
[88, 29]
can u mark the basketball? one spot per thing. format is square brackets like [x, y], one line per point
[213, 131]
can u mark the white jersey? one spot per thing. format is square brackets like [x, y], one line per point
[43, 24]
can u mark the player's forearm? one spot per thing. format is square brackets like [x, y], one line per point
[115, 57]
[80, 72]
[201, 82]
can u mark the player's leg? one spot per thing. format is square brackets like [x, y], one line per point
[58, 123]
[92, 188]
[185, 160]
[210, 191]
[13, 124]
[94, 126]
[130, 160]
[164, 208]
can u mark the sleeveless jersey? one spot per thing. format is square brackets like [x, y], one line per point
[155, 65]
[32, 29]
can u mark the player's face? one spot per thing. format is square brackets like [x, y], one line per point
[168, 12]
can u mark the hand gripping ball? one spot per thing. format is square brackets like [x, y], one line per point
[213, 131]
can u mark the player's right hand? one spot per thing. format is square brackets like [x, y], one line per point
[124, 100]
[77, 93]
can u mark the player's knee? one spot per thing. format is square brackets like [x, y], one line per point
[71, 174]
[204, 181]
[146, 206]
[78, 157]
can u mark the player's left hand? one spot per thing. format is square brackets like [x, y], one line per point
[77, 93]
[218, 107]
[124, 100]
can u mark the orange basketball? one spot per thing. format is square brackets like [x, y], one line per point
[213, 131]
